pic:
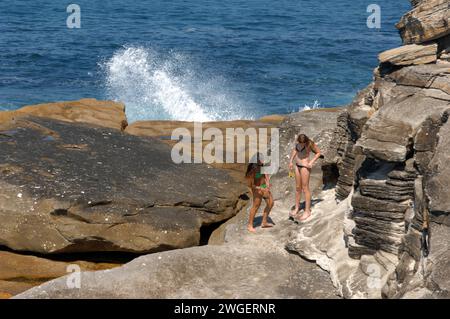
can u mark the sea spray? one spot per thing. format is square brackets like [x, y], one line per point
[316, 105]
[156, 86]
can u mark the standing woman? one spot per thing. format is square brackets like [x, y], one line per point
[301, 154]
[260, 187]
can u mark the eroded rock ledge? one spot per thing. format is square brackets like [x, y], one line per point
[392, 172]
[389, 152]
[76, 188]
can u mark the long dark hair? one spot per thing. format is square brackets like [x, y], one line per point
[251, 166]
[303, 138]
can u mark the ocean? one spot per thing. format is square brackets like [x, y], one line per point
[193, 60]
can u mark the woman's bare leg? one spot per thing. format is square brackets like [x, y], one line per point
[253, 211]
[305, 173]
[267, 209]
[298, 189]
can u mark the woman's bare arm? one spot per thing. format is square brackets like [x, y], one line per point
[267, 177]
[251, 182]
[293, 153]
[316, 150]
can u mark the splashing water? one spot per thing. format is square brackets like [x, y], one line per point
[156, 87]
[315, 106]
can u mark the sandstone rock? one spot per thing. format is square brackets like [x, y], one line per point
[244, 266]
[410, 54]
[440, 260]
[415, 3]
[192, 273]
[74, 188]
[428, 20]
[433, 76]
[21, 272]
[437, 181]
[164, 129]
[322, 240]
[387, 135]
[319, 125]
[423, 277]
[426, 139]
[102, 113]
[384, 194]
[346, 158]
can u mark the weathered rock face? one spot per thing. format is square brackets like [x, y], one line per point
[21, 272]
[397, 130]
[320, 126]
[388, 134]
[383, 195]
[390, 148]
[429, 20]
[227, 271]
[164, 129]
[74, 188]
[410, 54]
[238, 265]
[437, 181]
[102, 113]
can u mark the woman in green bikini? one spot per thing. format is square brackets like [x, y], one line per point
[259, 184]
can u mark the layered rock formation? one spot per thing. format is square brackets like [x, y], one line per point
[391, 162]
[386, 153]
[429, 20]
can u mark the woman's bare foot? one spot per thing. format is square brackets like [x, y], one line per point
[293, 213]
[251, 229]
[305, 216]
[267, 225]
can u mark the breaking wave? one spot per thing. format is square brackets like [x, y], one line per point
[169, 87]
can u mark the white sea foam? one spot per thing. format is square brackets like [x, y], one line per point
[306, 107]
[153, 86]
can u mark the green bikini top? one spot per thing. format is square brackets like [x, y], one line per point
[259, 175]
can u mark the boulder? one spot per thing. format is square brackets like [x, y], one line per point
[428, 20]
[244, 265]
[102, 113]
[163, 131]
[412, 54]
[70, 187]
[22, 272]
[200, 272]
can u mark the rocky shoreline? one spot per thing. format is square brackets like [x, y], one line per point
[77, 178]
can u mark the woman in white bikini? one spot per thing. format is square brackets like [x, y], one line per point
[301, 154]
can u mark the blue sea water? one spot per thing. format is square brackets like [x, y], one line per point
[198, 59]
